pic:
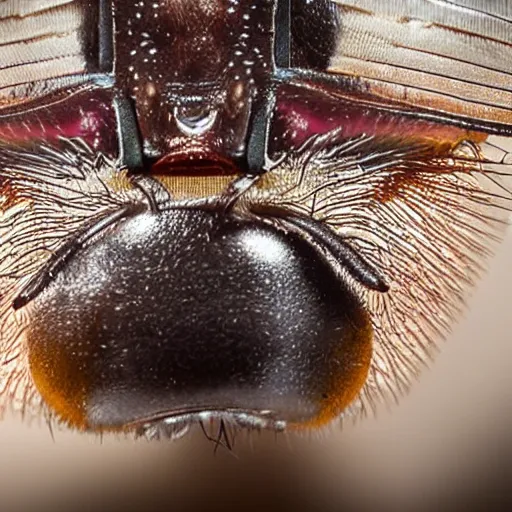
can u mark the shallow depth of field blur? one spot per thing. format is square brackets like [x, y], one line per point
[447, 443]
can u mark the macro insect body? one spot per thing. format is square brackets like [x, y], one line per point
[265, 213]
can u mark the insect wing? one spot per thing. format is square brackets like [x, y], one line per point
[445, 58]
[46, 46]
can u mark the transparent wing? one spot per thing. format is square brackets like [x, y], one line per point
[441, 56]
[44, 46]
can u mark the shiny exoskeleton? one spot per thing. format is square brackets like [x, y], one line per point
[191, 309]
[219, 213]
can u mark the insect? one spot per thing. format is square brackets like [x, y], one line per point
[262, 214]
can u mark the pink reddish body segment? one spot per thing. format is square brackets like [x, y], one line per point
[298, 119]
[86, 116]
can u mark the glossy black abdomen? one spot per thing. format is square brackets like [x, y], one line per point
[186, 311]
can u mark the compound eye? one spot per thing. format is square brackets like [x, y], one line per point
[185, 313]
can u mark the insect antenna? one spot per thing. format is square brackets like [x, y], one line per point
[62, 255]
[360, 269]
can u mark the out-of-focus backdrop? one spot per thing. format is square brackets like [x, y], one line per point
[445, 447]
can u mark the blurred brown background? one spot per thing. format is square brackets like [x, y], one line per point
[446, 447]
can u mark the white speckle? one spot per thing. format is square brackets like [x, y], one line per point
[150, 89]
